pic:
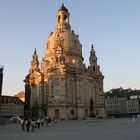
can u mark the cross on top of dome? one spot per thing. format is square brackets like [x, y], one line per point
[63, 8]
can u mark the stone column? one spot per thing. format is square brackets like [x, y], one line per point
[27, 99]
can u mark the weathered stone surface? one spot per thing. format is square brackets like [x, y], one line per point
[63, 83]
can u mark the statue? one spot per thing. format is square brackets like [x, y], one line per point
[91, 108]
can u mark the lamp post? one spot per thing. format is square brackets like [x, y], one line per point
[1, 79]
[27, 99]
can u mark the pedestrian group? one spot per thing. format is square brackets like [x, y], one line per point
[33, 124]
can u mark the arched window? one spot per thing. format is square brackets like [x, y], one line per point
[56, 88]
[93, 68]
[56, 114]
[86, 113]
[72, 112]
[59, 19]
[56, 59]
[62, 60]
[65, 18]
[96, 112]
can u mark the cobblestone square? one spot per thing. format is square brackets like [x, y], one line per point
[109, 129]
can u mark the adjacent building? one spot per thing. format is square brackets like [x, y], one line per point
[122, 103]
[11, 106]
[61, 86]
[112, 106]
[21, 96]
[133, 106]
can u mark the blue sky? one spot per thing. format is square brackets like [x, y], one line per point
[113, 26]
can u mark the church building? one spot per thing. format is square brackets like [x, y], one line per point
[61, 86]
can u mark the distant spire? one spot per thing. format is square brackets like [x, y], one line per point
[63, 2]
[92, 58]
[35, 56]
[34, 62]
[35, 51]
[92, 47]
[63, 8]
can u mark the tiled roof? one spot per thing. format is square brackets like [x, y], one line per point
[20, 95]
[10, 99]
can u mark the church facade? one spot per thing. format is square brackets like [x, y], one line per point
[61, 86]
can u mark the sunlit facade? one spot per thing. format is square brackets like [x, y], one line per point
[61, 84]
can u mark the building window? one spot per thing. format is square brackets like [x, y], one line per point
[65, 18]
[86, 113]
[56, 59]
[59, 19]
[93, 68]
[72, 112]
[62, 60]
[56, 88]
[96, 112]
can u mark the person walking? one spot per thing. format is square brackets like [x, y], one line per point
[23, 124]
[38, 123]
[42, 122]
[33, 124]
[28, 123]
[49, 121]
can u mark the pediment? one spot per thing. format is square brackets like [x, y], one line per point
[35, 75]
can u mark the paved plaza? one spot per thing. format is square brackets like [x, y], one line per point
[110, 129]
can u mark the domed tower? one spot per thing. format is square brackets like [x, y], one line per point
[62, 18]
[61, 64]
[63, 86]
[63, 46]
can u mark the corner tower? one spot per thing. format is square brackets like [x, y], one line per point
[34, 62]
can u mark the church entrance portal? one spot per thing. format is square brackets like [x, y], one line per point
[56, 114]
